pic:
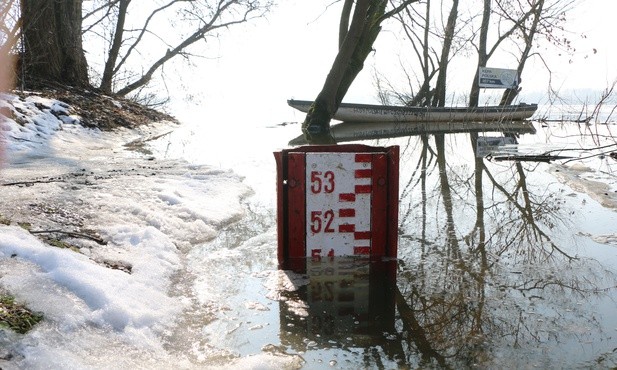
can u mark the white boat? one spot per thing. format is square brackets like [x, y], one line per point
[348, 112]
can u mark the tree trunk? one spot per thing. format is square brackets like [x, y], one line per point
[358, 43]
[114, 51]
[52, 41]
[474, 95]
[439, 98]
[344, 23]
[510, 94]
[356, 46]
[316, 126]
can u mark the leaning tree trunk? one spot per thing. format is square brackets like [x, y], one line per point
[114, 51]
[474, 95]
[439, 98]
[510, 94]
[356, 45]
[52, 41]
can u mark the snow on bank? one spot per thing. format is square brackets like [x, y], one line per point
[115, 302]
[600, 186]
[589, 168]
[37, 117]
[110, 297]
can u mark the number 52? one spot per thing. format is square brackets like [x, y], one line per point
[321, 222]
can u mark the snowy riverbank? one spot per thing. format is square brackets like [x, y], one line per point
[114, 295]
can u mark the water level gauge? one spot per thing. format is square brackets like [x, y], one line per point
[337, 201]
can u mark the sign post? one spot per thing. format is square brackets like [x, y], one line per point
[339, 200]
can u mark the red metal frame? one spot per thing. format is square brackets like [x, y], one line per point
[291, 199]
[296, 205]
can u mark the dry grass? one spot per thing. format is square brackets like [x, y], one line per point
[17, 317]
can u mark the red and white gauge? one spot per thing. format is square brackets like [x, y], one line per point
[338, 204]
[337, 201]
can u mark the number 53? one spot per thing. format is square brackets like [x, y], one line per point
[321, 182]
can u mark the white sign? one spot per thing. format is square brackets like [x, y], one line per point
[338, 204]
[497, 78]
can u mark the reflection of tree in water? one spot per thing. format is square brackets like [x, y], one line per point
[480, 274]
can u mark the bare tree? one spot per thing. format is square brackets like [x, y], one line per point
[411, 20]
[114, 50]
[516, 19]
[356, 42]
[439, 98]
[439, 33]
[423, 36]
[197, 20]
[137, 48]
[546, 19]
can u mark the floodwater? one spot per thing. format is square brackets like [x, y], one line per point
[501, 263]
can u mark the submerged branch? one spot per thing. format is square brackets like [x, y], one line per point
[30, 183]
[527, 158]
[70, 233]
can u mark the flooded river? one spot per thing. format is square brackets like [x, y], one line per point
[501, 263]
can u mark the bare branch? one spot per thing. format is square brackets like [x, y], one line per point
[143, 31]
[109, 7]
[110, 4]
[208, 27]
